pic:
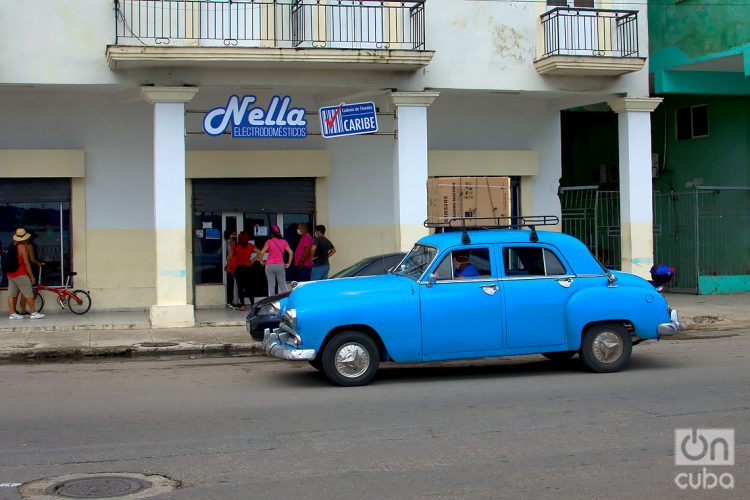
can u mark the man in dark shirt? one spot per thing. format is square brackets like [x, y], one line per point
[322, 250]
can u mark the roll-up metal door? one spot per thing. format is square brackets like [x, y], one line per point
[34, 190]
[295, 195]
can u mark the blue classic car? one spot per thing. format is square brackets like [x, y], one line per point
[473, 294]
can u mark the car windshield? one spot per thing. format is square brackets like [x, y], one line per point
[416, 262]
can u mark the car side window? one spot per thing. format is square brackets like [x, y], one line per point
[465, 264]
[552, 264]
[531, 261]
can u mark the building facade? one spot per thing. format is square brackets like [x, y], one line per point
[111, 150]
[700, 62]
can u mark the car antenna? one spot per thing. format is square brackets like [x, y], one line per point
[534, 237]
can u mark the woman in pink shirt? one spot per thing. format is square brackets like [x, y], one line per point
[303, 253]
[275, 248]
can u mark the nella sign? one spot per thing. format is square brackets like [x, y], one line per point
[277, 120]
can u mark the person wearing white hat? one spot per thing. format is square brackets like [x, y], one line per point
[20, 280]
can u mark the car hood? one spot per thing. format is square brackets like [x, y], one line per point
[362, 286]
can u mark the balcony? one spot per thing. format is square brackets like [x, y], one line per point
[589, 42]
[315, 34]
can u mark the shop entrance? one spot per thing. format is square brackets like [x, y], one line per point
[221, 206]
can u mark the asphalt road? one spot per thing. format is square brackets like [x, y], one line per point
[254, 427]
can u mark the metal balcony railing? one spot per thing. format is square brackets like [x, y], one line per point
[590, 32]
[365, 24]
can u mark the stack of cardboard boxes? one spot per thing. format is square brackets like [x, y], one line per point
[452, 197]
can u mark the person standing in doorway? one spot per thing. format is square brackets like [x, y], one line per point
[275, 247]
[303, 253]
[243, 252]
[230, 238]
[322, 250]
[21, 279]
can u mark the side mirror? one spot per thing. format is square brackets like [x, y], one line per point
[611, 278]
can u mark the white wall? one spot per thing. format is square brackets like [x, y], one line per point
[492, 45]
[490, 121]
[115, 130]
[477, 44]
[59, 41]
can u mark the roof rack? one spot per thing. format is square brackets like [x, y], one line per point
[508, 222]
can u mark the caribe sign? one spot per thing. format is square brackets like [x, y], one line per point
[277, 121]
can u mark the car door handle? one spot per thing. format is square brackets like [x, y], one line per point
[489, 289]
[565, 282]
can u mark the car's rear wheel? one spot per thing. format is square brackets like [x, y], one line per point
[606, 348]
[317, 363]
[350, 359]
[559, 355]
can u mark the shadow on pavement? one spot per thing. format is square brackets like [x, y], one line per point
[501, 368]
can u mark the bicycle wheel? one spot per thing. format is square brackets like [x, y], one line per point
[38, 303]
[80, 303]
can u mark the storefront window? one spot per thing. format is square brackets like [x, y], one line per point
[49, 225]
[207, 242]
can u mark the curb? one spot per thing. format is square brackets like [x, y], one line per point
[159, 348]
[110, 326]
[143, 349]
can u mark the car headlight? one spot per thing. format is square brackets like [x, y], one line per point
[290, 317]
[272, 309]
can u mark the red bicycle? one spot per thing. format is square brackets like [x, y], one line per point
[78, 301]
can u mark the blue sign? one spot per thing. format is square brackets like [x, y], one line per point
[348, 119]
[277, 121]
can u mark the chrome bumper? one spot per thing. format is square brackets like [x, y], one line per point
[674, 325]
[274, 344]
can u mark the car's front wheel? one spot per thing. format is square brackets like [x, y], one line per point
[350, 359]
[606, 348]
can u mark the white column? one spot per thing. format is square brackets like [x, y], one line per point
[170, 220]
[636, 197]
[410, 175]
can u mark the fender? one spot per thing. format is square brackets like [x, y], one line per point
[599, 304]
[394, 316]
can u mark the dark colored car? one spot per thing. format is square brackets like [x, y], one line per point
[266, 313]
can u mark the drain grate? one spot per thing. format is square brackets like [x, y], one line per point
[98, 487]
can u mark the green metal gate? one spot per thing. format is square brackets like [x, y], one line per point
[702, 233]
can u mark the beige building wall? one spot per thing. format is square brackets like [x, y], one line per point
[117, 265]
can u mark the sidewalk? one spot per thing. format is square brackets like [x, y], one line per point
[222, 331]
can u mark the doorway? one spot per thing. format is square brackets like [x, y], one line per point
[252, 205]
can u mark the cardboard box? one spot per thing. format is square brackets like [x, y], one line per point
[450, 197]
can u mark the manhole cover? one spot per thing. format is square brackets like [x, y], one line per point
[158, 344]
[104, 485]
[98, 487]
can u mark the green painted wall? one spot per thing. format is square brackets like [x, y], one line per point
[698, 27]
[723, 284]
[697, 31]
[721, 159]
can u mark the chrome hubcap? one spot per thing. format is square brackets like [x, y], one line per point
[607, 347]
[352, 360]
